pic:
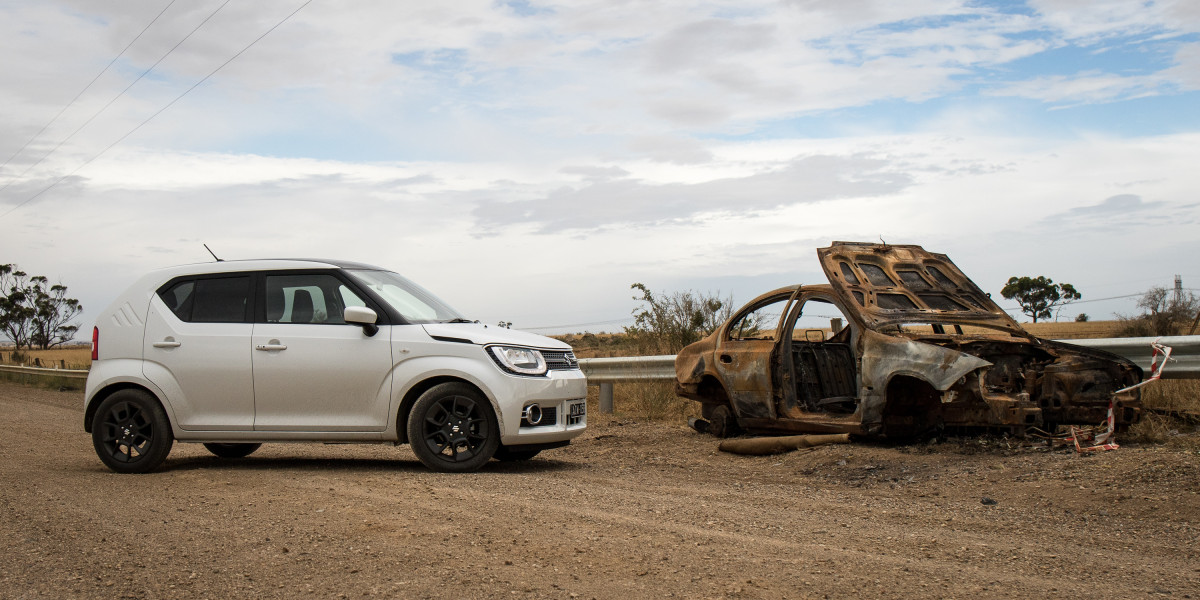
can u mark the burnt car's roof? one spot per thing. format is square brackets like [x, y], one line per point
[888, 284]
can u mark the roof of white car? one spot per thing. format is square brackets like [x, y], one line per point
[270, 264]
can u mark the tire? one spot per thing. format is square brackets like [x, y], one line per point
[452, 428]
[506, 454]
[131, 433]
[722, 423]
[232, 450]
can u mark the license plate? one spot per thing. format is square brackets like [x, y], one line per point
[576, 413]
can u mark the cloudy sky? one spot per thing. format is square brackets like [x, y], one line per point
[528, 160]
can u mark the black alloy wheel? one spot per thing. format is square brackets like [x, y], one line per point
[131, 433]
[452, 428]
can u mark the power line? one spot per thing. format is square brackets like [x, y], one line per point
[579, 324]
[161, 110]
[114, 99]
[87, 87]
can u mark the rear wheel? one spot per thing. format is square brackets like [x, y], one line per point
[232, 450]
[131, 433]
[452, 428]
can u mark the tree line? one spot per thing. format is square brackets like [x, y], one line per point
[33, 312]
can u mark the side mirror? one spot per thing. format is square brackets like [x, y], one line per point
[361, 315]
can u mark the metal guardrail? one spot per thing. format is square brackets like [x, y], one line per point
[42, 371]
[1185, 352]
[1184, 364]
[628, 368]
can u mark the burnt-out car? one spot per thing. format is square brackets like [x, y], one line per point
[899, 343]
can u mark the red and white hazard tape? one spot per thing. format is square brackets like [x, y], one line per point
[1103, 441]
[1156, 368]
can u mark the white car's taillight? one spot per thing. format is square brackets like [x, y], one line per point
[95, 343]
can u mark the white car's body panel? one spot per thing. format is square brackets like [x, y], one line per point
[325, 378]
[182, 358]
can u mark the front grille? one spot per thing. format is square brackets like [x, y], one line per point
[560, 361]
[549, 418]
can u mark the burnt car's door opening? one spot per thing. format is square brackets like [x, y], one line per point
[822, 363]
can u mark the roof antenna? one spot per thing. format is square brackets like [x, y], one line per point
[214, 254]
[885, 247]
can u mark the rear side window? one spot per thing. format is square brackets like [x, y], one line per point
[210, 300]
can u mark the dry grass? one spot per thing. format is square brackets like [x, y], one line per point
[643, 401]
[74, 357]
[1172, 412]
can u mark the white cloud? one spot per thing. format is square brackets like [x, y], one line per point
[1085, 88]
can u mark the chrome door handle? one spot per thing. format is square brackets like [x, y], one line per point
[167, 344]
[269, 347]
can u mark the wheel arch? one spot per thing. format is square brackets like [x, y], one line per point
[911, 405]
[410, 398]
[102, 394]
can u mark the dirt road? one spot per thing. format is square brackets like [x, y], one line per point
[629, 511]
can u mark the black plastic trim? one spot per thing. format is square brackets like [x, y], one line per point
[445, 338]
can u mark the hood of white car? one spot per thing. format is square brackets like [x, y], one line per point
[477, 333]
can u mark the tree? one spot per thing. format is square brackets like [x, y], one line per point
[1038, 296]
[53, 312]
[1163, 313]
[15, 312]
[34, 313]
[666, 324]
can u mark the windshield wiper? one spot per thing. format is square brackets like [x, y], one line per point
[461, 320]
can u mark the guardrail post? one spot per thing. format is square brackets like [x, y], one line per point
[606, 400]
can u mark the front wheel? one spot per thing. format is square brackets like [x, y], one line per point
[232, 450]
[131, 432]
[452, 428]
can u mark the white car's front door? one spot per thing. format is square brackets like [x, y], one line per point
[312, 370]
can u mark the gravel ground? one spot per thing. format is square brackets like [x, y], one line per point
[632, 510]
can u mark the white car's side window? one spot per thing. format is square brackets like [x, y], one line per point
[308, 298]
[209, 300]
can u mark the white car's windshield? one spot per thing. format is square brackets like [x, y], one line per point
[412, 301]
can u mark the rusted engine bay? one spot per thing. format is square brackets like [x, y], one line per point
[1026, 386]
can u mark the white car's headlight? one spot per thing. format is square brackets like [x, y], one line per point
[524, 361]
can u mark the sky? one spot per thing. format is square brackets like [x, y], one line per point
[528, 161]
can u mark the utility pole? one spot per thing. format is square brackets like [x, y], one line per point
[1178, 290]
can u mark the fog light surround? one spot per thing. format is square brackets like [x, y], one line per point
[532, 415]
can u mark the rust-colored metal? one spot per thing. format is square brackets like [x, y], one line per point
[923, 348]
[779, 445]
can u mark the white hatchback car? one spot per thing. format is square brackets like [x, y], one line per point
[233, 354]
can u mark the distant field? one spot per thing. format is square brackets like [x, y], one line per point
[1070, 330]
[75, 357]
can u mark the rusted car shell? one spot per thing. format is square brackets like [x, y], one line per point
[881, 378]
